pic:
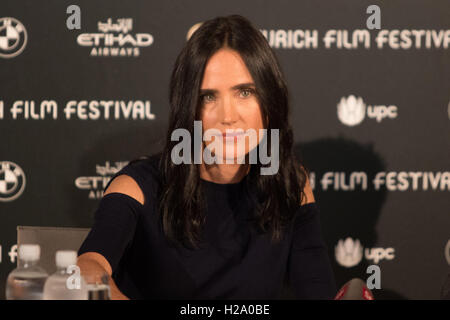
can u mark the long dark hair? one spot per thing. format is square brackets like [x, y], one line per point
[275, 197]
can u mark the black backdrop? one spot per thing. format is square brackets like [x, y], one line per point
[53, 167]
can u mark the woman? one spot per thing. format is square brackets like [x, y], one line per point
[220, 230]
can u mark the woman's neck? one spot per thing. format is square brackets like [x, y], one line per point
[223, 173]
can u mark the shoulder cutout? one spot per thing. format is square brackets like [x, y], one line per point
[126, 185]
[309, 195]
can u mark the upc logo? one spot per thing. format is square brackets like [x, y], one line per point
[351, 111]
[349, 252]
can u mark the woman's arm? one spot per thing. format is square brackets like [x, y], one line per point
[112, 231]
[310, 272]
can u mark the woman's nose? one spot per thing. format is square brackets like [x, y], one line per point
[229, 111]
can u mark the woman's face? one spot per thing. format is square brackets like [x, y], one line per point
[229, 103]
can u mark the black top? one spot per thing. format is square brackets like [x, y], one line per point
[234, 261]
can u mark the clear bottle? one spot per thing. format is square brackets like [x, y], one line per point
[64, 285]
[26, 282]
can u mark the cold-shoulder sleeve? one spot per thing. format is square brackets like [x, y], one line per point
[114, 226]
[115, 222]
[309, 270]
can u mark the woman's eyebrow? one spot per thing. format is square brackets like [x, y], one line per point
[238, 86]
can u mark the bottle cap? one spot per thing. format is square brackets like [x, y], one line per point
[65, 258]
[29, 252]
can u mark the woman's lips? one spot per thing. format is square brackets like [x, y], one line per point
[232, 135]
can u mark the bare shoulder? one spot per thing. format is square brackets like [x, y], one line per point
[126, 185]
[309, 195]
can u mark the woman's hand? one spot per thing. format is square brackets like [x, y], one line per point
[94, 265]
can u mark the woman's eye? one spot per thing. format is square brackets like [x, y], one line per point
[205, 97]
[246, 92]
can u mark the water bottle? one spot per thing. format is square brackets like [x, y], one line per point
[26, 282]
[65, 285]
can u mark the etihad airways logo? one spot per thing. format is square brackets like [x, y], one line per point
[96, 184]
[352, 110]
[115, 39]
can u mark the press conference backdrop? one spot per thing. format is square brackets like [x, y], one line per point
[370, 112]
